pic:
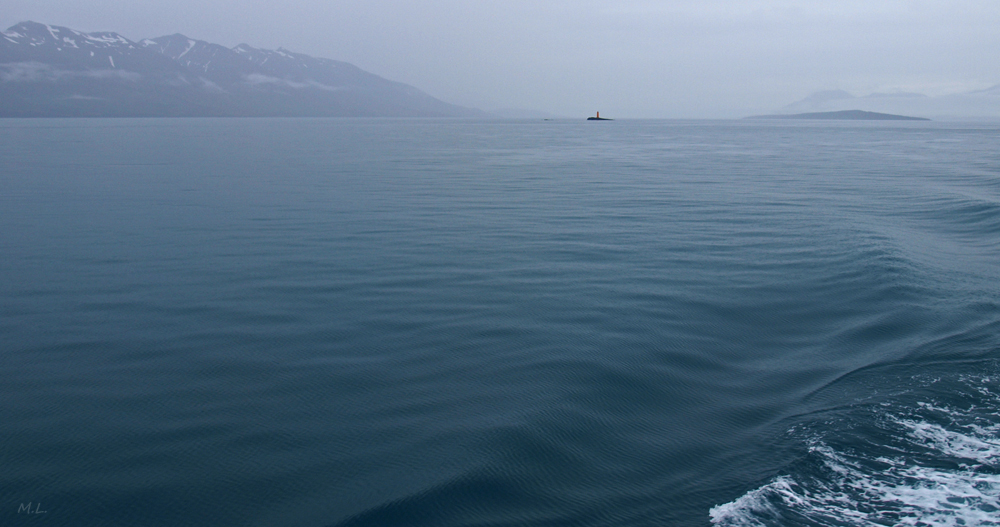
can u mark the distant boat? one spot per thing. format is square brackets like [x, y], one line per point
[599, 118]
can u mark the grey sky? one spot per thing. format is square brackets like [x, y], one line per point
[626, 58]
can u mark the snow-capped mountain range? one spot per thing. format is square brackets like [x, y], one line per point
[59, 72]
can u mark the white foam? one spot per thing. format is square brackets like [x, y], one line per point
[908, 496]
[751, 509]
[954, 444]
[906, 493]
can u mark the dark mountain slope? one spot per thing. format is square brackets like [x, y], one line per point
[56, 71]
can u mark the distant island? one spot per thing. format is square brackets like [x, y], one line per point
[976, 105]
[845, 115]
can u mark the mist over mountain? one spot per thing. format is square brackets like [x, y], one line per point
[980, 104]
[51, 71]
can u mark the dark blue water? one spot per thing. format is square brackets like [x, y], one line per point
[456, 323]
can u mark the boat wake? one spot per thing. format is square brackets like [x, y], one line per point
[931, 464]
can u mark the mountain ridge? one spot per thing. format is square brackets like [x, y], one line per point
[977, 104]
[54, 71]
[843, 115]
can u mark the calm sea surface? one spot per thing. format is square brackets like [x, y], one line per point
[461, 323]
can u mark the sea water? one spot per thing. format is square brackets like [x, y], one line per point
[452, 323]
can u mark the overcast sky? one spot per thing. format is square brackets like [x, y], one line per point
[626, 58]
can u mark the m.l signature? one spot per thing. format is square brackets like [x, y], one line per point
[26, 509]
